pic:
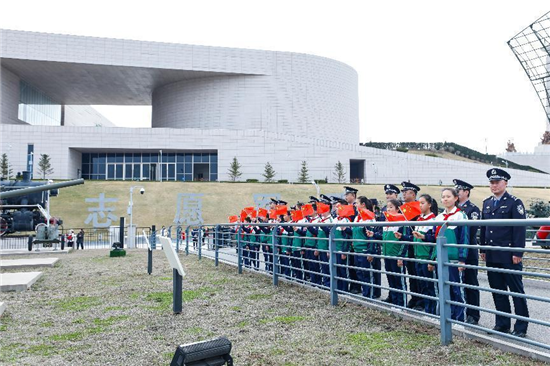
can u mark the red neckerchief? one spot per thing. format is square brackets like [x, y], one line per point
[429, 217]
[445, 217]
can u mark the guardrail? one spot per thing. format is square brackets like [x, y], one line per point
[333, 267]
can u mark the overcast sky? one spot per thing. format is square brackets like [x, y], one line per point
[428, 70]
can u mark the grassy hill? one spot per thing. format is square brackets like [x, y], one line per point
[158, 204]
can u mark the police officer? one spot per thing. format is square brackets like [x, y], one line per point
[409, 192]
[502, 205]
[470, 275]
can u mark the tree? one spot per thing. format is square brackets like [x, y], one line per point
[304, 173]
[269, 173]
[339, 172]
[235, 170]
[44, 165]
[5, 168]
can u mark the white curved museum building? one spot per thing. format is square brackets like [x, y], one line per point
[209, 105]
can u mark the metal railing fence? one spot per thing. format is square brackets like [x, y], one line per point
[332, 265]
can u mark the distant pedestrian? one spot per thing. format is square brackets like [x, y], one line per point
[70, 238]
[80, 239]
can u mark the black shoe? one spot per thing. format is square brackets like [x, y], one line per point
[519, 334]
[388, 300]
[501, 329]
[418, 308]
[471, 320]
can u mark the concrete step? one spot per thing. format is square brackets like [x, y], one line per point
[18, 281]
[27, 263]
[14, 252]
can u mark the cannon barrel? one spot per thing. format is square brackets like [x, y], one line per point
[42, 188]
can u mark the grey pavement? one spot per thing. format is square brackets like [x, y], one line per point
[18, 281]
[27, 263]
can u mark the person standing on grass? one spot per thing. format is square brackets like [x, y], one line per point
[470, 275]
[392, 248]
[428, 206]
[502, 205]
[80, 239]
[454, 235]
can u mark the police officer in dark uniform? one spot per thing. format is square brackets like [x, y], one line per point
[502, 205]
[470, 275]
[410, 192]
[392, 191]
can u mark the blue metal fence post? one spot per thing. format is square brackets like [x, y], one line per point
[332, 268]
[199, 241]
[275, 256]
[150, 252]
[444, 289]
[187, 240]
[239, 251]
[154, 238]
[216, 250]
[178, 239]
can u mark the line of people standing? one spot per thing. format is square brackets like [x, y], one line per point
[304, 256]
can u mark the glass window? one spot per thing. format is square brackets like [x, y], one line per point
[110, 171]
[154, 158]
[171, 171]
[128, 171]
[102, 158]
[36, 108]
[213, 158]
[137, 171]
[137, 157]
[180, 177]
[85, 169]
[188, 177]
[146, 169]
[94, 158]
[85, 158]
[205, 158]
[188, 158]
[146, 158]
[111, 157]
[213, 177]
[164, 171]
[171, 157]
[180, 168]
[101, 168]
[188, 168]
[119, 170]
[119, 158]
[180, 157]
[213, 167]
[128, 157]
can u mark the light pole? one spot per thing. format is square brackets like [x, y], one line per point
[160, 166]
[131, 233]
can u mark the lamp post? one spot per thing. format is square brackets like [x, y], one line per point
[131, 234]
[160, 166]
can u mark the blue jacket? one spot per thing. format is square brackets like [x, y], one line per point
[508, 207]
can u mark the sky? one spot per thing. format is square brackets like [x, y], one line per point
[428, 70]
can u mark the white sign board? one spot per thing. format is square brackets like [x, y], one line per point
[171, 254]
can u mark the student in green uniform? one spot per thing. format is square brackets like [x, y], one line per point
[362, 245]
[428, 207]
[392, 248]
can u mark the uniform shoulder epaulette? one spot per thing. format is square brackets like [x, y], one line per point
[514, 197]
[488, 198]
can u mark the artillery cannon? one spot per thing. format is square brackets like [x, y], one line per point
[25, 207]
